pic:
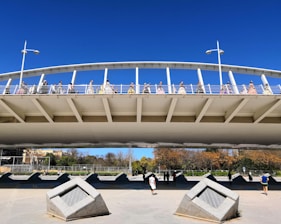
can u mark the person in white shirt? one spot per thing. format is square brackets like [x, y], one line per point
[152, 183]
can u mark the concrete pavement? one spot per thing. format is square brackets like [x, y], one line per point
[134, 206]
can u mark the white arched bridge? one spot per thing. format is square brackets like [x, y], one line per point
[140, 115]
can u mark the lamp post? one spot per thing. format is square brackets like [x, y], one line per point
[220, 51]
[24, 52]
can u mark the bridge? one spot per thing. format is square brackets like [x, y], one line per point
[203, 115]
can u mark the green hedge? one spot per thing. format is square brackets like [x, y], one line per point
[201, 173]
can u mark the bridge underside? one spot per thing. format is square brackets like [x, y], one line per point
[139, 120]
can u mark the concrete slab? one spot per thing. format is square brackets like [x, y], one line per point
[136, 206]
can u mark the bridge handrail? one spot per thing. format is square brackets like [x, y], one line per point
[125, 89]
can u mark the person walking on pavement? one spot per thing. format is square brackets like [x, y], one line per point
[264, 182]
[152, 183]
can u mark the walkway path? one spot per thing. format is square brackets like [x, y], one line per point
[132, 206]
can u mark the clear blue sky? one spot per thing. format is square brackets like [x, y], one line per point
[86, 31]
[138, 153]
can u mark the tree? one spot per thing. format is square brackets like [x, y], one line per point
[169, 158]
[53, 159]
[110, 159]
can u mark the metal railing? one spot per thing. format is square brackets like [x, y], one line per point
[89, 168]
[141, 89]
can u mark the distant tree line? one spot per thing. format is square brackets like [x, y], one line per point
[73, 157]
[179, 159]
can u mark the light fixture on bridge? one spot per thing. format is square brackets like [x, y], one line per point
[220, 51]
[24, 52]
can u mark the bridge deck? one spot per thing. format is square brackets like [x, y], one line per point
[140, 120]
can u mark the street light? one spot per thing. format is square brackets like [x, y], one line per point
[24, 52]
[220, 51]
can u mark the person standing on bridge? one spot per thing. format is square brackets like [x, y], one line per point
[266, 90]
[90, 89]
[252, 88]
[131, 89]
[181, 88]
[160, 89]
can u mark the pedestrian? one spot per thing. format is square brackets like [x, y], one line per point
[152, 183]
[167, 176]
[229, 175]
[264, 183]
[174, 175]
[250, 176]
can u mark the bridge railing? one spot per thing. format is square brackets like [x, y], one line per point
[141, 89]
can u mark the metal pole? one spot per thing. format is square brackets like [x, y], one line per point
[219, 60]
[22, 63]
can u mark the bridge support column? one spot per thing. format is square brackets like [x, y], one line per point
[200, 79]
[105, 76]
[264, 81]
[73, 77]
[137, 81]
[233, 82]
[169, 80]
[40, 82]
[7, 88]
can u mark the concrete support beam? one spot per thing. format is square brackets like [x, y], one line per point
[74, 109]
[203, 110]
[261, 114]
[42, 110]
[139, 109]
[235, 109]
[107, 109]
[171, 109]
[11, 111]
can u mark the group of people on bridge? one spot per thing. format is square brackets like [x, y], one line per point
[108, 88]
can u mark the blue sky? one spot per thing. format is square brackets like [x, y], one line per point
[138, 153]
[86, 31]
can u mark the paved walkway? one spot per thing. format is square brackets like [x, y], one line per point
[134, 206]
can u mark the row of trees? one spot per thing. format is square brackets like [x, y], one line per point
[73, 157]
[180, 159]
[218, 159]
